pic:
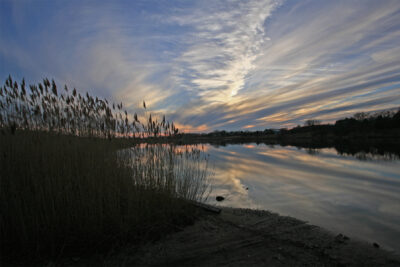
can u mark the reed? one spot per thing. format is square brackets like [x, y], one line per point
[69, 186]
[43, 107]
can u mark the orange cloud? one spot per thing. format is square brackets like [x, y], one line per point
[187, 128]
[249, 146]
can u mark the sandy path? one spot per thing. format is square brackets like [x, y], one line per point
[238, 237]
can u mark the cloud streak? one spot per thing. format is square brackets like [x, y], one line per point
[224, 40]
[320, 63]
[214, 65]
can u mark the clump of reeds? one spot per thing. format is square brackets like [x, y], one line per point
[44, 107]
[68, 187]
[181, 172]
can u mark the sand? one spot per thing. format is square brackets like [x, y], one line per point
[242, 237]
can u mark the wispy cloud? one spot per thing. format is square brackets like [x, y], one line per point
[321, 62]
[214, 64]
[222, 44]
[91, 48]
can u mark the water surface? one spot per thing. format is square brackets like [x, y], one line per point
[358, 196]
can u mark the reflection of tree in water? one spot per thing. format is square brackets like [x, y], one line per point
[370, 151]
[367, 156]
[362, 149]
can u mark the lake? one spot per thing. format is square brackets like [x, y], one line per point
[356, 195]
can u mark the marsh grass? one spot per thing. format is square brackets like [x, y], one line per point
[70, 188]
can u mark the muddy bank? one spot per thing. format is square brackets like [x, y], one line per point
[240, 237]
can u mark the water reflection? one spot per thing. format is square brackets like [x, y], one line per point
[342, 193]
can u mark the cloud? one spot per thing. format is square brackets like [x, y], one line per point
[214, 65]
[91, 48]
[221, 46]
[323, 62]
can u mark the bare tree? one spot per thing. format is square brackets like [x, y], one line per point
[312, 122]
[360, 116]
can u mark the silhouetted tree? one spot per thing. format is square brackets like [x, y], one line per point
[312, 122]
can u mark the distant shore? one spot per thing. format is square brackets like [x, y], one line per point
[242, 237]
[312, 136]
[377, 144]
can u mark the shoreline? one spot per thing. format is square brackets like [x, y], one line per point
[244, 237]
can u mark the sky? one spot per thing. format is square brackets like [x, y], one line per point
[213, 65]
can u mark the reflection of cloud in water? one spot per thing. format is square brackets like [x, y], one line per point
[228, 181]
[341, 193]
[232, 189]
